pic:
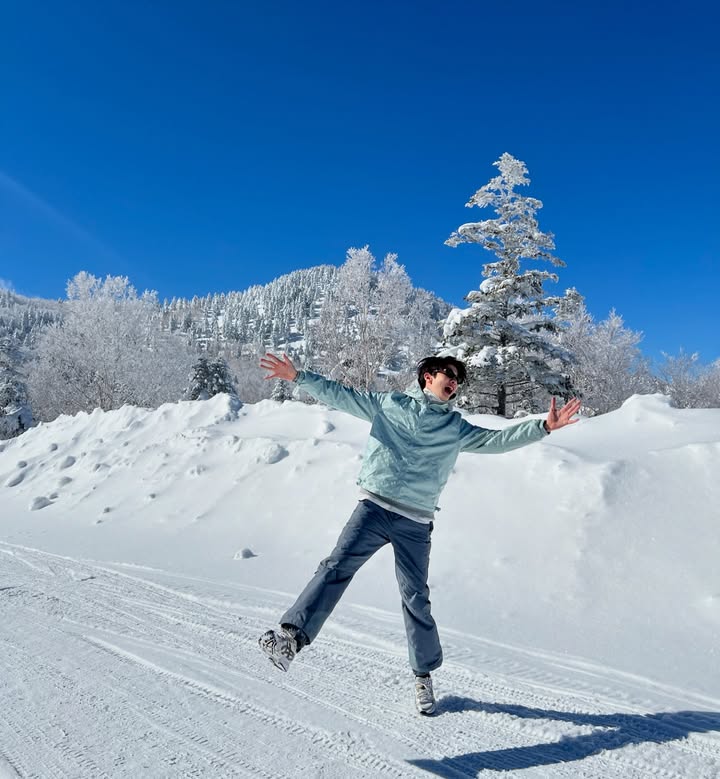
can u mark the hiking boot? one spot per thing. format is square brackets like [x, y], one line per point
[424, 698]
[280, 647]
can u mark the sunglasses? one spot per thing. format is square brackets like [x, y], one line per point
[450, 374]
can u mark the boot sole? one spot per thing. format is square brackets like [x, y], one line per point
[277, 664]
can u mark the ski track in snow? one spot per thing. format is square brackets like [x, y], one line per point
[121, 671]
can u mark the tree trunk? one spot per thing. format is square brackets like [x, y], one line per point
[501, 400]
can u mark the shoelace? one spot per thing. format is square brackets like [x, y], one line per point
[287, 650]
[283, 647]
[424, 690]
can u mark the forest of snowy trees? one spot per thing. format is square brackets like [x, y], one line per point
[362, 323]
[106, 345]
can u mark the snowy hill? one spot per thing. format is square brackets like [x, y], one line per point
[22, 318]
[575, 583]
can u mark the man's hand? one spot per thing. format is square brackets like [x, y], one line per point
[557, 419]
[279, 369]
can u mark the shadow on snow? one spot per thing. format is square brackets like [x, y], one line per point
[612, 731]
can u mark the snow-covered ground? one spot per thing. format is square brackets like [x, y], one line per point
[575, 583]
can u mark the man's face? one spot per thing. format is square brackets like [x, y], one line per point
[442, 384]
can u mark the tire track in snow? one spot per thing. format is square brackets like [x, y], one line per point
[26, 735]
[7, 769]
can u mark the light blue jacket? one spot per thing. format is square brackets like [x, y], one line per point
[414, 442]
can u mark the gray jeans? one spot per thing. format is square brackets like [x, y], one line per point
[369, 528]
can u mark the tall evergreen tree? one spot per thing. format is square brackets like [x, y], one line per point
[504, 335]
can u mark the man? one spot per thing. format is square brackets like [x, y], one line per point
[414, 442]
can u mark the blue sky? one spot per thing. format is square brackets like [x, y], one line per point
[204, 147]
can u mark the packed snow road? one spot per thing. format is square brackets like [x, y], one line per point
[119, 671]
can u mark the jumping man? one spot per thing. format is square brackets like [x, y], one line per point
[415, 439]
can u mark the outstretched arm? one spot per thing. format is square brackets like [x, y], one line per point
[478, 439]
[360, 404]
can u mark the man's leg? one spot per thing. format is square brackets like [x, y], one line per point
[364, 533]
[411, 544]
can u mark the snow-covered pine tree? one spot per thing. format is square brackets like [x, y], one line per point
[281, 391]
[210, 378]
[199, 380]
[504, 336]
[15, 414]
